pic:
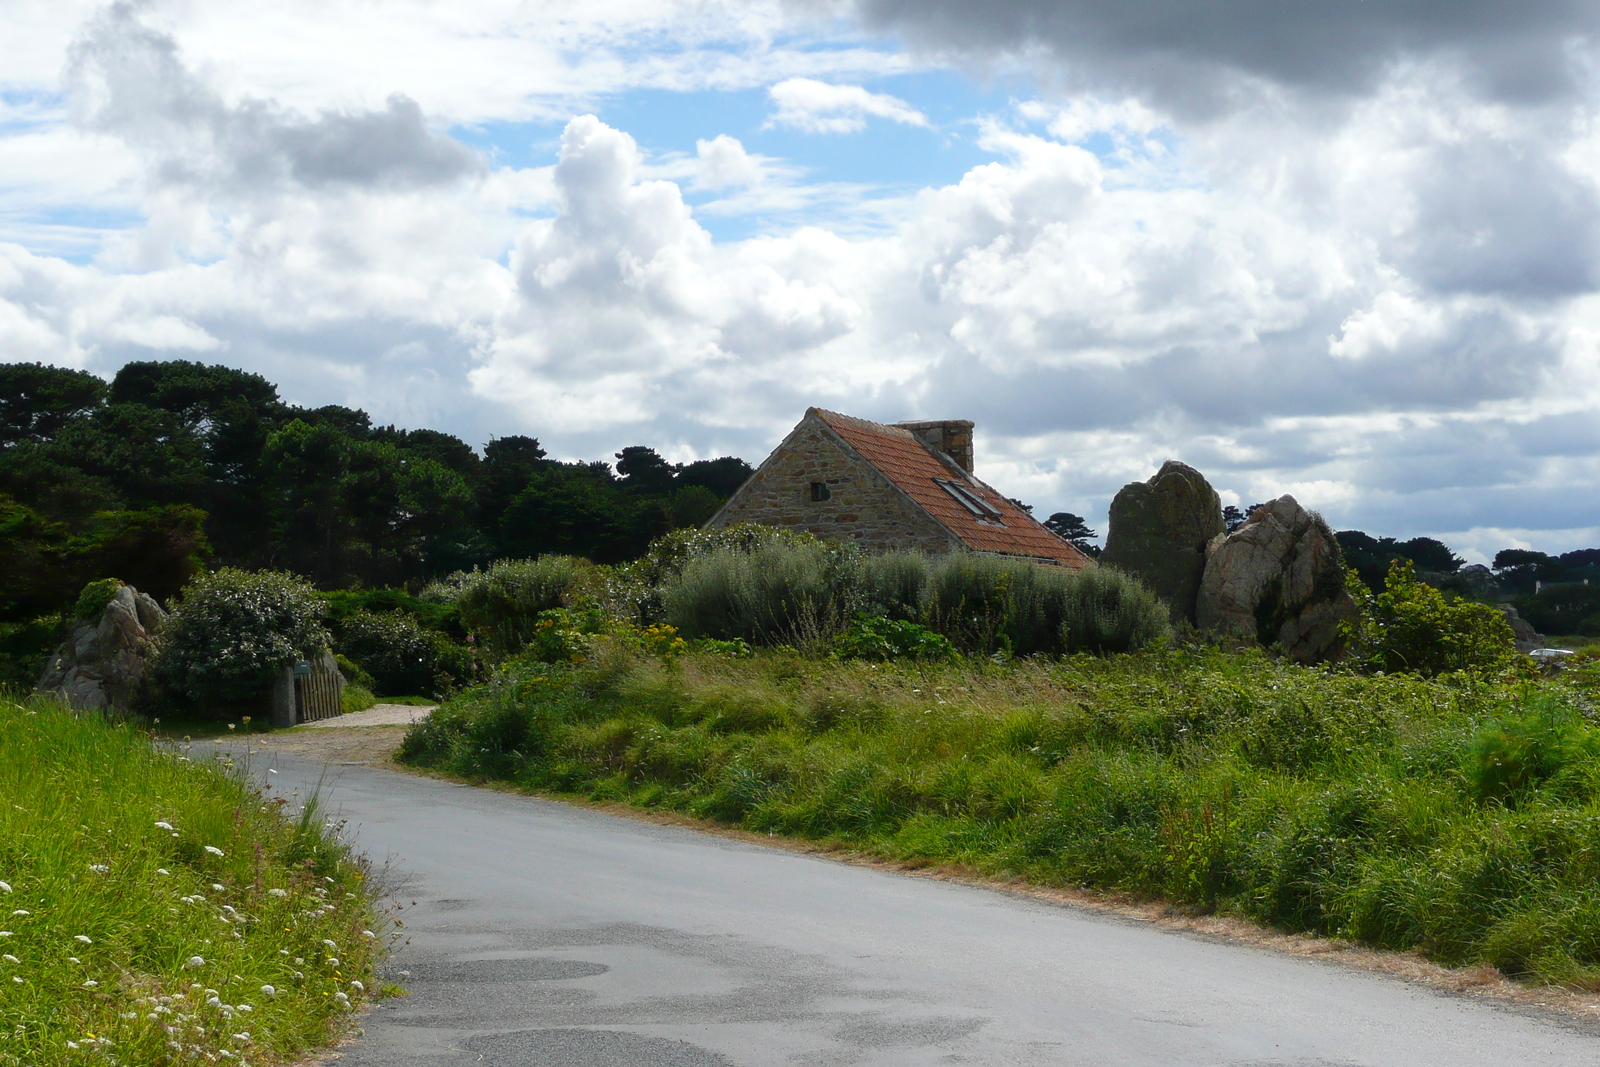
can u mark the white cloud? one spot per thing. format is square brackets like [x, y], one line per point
[818, 107]
[1384, 306]
[723, 164]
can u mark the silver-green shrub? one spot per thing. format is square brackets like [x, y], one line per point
[501, 605]
[778, 593]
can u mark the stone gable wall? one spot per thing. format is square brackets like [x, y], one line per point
[863, 507]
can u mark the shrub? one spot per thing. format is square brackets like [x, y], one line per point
[95, 598]
[882, 638]
[393, 650]
[356, 698]
[26, 648]
[894, 584]
[502, 605]
[777, 593]
[634, 590]
[1412, 627]
[991, 603]
[1105, 610]
[231, 631]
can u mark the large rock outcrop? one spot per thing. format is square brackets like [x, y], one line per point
[1527, 637]
[1159, 531]
[104, 662]
[1277, 579]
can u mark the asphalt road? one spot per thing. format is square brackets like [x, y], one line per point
[551, 936]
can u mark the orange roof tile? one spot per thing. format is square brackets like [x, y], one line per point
[916, 470]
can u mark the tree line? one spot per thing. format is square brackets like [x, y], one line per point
[175, 465]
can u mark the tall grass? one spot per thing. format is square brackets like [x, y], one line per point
[804, 594]
[1456, 816]
[158, 911]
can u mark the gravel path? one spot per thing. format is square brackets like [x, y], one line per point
[377, 715]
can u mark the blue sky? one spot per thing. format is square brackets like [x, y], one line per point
[1365, 274]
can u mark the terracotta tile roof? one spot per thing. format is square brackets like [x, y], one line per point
[917, 471]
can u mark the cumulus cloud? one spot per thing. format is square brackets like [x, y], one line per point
[818, 107]
[129, 81]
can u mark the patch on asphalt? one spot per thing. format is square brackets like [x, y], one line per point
[878, 1033]
[515, 970]
[589, 1048]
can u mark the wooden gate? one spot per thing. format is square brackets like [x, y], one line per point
[317, 689]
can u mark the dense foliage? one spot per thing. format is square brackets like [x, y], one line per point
[152, 903]
[1459, 817]
[174, 462]
[1413, 627]
[232, 630]
[806, 592]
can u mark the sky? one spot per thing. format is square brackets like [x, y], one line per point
[1347, 250]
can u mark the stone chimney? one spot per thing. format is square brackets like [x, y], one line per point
[953, 437]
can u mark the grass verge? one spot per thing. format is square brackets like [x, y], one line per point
[1456, 816]
[157, 910]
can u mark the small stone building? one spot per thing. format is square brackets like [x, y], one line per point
[908, 486]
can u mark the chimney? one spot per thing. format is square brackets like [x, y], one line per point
[953, 437]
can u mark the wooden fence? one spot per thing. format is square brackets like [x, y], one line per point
[317, 686]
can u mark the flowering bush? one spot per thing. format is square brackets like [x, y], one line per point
[232, 630]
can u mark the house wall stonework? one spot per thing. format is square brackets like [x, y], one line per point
[862, 505]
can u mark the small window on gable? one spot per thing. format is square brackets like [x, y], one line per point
[970, 500]
[819, 491]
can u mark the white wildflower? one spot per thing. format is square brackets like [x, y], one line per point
[81, 937]
[17, 979]
[330, 944]
[9, 958]
[333, 961]
[99, 868]
[5, 933]
[196, 961]
[163, 870]
[165, 825]
[357, 986]
[214, 850]
[277, 892]
[72, 1044]
[5, 887]
[243, 1037]
[218, 887]
[22, 912]
[90, 984]
[368, 933]
[73, 959]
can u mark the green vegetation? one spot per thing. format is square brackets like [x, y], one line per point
[805, 592]
[502, 605]
[1458, 815]
[231, 631]
[142, 891]
[1413, 627]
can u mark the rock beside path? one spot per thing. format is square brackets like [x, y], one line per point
[104, 663]
[1279, 580]
[1159, 530]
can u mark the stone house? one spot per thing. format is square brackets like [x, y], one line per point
[908, 486]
